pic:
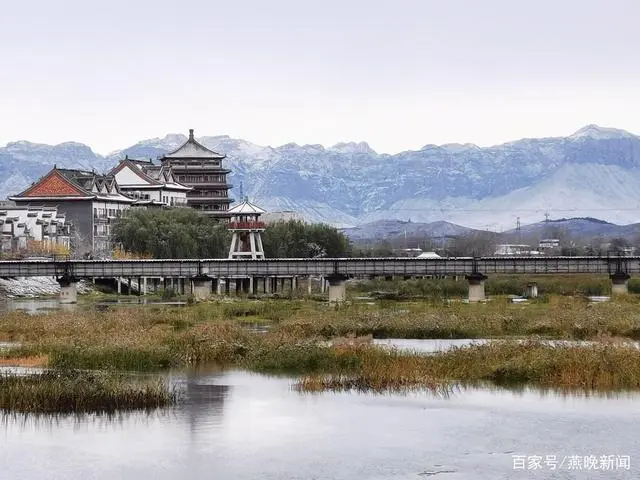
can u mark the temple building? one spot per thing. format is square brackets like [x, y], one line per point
[195, 166]
[90, 202]
[148, 184]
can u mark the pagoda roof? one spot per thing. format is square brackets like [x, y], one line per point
[193, 149]
[246, 208]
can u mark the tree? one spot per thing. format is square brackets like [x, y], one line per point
[176, 233]
[295, 239]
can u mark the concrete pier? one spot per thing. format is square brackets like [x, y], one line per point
[68, 290]
[476, 287]
[201, 287]
[619, 283]
[531, 290]
[337, 288]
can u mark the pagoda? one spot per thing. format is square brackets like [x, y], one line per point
[246, 227]
[195, 166]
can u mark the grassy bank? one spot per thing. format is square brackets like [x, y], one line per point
[72, 391]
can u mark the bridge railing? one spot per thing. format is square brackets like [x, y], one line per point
[352, 267]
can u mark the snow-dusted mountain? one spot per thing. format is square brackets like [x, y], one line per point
[595, 172]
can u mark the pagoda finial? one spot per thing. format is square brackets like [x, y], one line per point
[191, 134]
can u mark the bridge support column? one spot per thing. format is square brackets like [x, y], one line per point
[337, 288]
[119, 282]
[476, 287]
[68, 290]
[309, 285]
[620, 283]
[531, 290]
[129, 286]
[201, 287]
[144, 285]
[323, 285]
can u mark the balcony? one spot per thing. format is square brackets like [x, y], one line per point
[250, 225]
[178, 202]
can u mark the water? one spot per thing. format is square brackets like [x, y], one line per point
[237, 425]
[44, 305]
[441, 345]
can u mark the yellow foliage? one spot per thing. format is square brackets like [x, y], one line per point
[41, 247]
[119, 254]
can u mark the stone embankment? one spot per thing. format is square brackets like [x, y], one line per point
[34, 287]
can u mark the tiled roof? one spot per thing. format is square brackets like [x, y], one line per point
[192, 149]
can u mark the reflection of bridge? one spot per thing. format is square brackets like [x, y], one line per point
[207, 275]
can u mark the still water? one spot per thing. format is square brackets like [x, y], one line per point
[238, 425]
[43, 305]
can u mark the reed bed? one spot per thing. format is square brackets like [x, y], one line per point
[304, 338]
[593, 367]
[557, 317]
[72, 391]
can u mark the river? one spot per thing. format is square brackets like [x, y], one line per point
[238, 425]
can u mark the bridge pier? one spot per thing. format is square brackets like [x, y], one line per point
[476, 287]
[201, 287]
[531, 290]
[337, 288]
[68, 290]
[619, 283]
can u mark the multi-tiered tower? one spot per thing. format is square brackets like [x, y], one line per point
[195, 166]
[246, 227]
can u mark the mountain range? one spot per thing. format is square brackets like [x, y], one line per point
[593, 173]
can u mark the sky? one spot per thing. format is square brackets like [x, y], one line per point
[397, 74]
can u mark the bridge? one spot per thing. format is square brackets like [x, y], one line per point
[205, 274]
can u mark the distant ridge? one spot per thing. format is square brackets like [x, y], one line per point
[594, 172]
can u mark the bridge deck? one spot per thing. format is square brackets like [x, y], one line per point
[351, 267]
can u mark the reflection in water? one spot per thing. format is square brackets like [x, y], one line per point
[238, 425]
[43, 305]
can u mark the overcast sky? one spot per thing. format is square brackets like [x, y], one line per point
[398, 74]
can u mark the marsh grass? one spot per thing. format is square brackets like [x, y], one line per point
[71, 391]
[556, 317]
[304, 339]
[601, 366]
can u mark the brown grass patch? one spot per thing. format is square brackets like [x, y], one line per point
[29, 362]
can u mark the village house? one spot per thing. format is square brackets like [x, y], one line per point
[21, 227]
